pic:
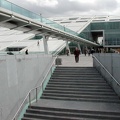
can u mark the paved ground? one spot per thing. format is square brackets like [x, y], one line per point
[84, 61]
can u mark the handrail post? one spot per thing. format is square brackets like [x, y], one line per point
[51, 70]
[42, 86]
[36, 94]
[29, 99]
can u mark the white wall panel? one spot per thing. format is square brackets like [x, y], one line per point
[111, 61]
[19, 74]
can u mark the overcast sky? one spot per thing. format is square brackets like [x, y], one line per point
[54, 8]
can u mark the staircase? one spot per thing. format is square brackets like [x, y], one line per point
[76, 93]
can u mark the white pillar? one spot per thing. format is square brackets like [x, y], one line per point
[67, 47]
[79, 47]
[45, 39]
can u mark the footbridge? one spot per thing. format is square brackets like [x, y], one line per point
[18, 18]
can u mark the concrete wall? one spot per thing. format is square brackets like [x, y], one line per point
[19, 74]
[111, 62]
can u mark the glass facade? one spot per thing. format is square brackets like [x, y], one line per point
[86, 33]
[111, 32]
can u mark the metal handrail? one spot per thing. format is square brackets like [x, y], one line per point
[59, 49]
[107, 70]
[28, 94]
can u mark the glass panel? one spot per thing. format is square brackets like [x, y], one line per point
[86, 33]
[35, 17]
[5, 4]
[26, 13]
[105, 26]
[98, 26]
[23, 109]
[111, 30]
[16, 9]
[112, 38]
[39, 91]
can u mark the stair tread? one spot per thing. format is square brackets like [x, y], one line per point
[78, 89]
[85, 114]
[78, 105]
[79, 86]
[81, 99]
[78, 78]
[79, 92]
[71, 111]
[82, 95]
[52, 117]
[76, 83]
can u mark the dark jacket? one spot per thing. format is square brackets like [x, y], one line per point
[77, 53]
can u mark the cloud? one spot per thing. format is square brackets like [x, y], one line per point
[65, 7]
[32, 1]
[42, 3]
[107, 5]
[50, 8]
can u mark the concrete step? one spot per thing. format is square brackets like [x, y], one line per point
[80, 92]
[27, 118]
[52, 117]
[78, 78]
[75, 68]
[69, 114]
[79, 86]
[77, 75]
[72, 110]
[97, 96]
[77, 83]
[75, 72]
[72, 67]
[78, 89]
[81, 99]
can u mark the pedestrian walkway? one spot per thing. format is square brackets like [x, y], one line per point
[84, 61]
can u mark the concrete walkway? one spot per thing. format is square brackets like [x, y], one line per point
[84, 61]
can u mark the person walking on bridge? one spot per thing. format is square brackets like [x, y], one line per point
[77, 53]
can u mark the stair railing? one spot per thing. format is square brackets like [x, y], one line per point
[34, 94]
[106, 70]
[59, 49]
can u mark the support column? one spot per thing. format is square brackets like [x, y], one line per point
[79, 47]
[67, 47]
[45, 39]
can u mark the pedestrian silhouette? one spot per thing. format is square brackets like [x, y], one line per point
[77, 53]
[26, 52]
[67, 52]
[38, 43]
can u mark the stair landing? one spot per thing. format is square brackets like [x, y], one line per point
[84, 61]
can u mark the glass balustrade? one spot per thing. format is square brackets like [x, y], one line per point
[17, 9]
